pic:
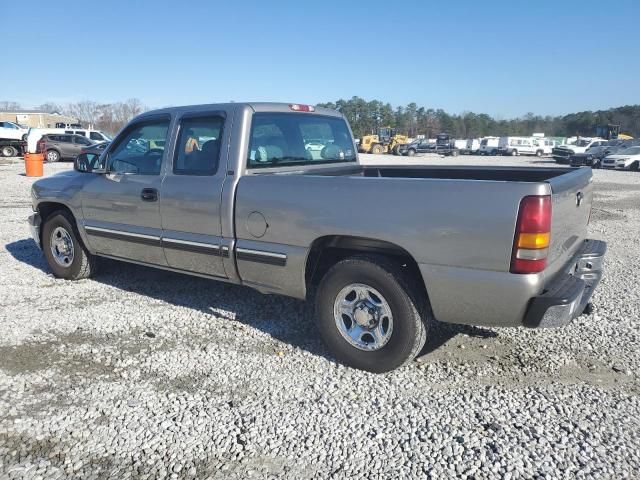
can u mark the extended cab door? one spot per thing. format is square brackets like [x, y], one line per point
[191, 195]
[121, 208]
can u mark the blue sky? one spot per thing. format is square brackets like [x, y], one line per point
[504, 58]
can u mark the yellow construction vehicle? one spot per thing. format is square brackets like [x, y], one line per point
[386, 141]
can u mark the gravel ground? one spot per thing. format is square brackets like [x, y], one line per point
[140, 373]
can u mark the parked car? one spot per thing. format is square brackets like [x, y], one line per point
[96, 148]
[594, 155]
[62, 147]
[417, 146]
[12, 131]
[563, 153]
[35, 134]
[489, 146]
[466, 245]
[627, 159]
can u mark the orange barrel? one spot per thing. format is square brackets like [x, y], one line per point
[33, 164]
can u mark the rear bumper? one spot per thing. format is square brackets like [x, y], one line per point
[566, 296]
[34, 226]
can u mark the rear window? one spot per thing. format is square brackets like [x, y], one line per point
[283, 139]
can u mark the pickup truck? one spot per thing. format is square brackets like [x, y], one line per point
[563, 153]
[229, 192]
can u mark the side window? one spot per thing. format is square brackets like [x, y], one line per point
[281, 139]
[65, 139]
[95, 136]
[80, 132]
[140, 149]
[198, 147]
[82, 140]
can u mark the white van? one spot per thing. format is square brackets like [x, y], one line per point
[472, 147]
[35, 134]
[489, 146]
[523, 146]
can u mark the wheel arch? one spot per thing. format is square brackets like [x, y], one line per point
[47, 208]
[328, 250]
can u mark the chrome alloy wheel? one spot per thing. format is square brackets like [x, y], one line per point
[363, 317]
[62, 247]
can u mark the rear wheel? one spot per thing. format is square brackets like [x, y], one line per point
[514, 153]
[539, 153]
[66, 255]
[370, 314]
[9, 151]
[53, 156]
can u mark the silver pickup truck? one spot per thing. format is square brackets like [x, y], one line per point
[273, 196]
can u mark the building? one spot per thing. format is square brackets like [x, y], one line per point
[35, 118]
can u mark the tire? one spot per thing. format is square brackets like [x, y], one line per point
[454, 153]
[411, 152]
[9, 151]
[52, 156]
[514, 153]
[407, 323]
[377, 149]
[80, 263]
[494, 152]
[539, 153]
[635, 166]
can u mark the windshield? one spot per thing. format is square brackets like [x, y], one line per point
[631, 151]
[282, 139]
[596, 149]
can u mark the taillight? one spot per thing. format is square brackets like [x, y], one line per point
[302, 108]
[533, 235]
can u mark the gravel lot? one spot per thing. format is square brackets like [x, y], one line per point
[140, 373]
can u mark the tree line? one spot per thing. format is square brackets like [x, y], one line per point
[108, 117]
[366, 116]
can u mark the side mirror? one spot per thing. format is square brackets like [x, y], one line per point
[88, 163]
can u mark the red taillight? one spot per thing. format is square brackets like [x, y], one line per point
[302, 108]
[533, 235]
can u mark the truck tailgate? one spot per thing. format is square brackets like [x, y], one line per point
[572, 194]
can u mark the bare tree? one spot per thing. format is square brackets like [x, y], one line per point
[50, 107]
[7, 105]
[86, 111]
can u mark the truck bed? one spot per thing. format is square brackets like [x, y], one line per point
[500, 174]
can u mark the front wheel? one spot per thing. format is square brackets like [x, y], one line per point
[66, 255]
[514, 153]
[635, 166]
[411, 152]
[53, 156]
[370, 314]
[377, 149]
[539, 153]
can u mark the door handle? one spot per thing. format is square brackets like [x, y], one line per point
[149, 194]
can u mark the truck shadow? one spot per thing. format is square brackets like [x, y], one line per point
[285, 319]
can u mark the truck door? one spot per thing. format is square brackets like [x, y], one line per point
[191, 195]
[120, 208]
